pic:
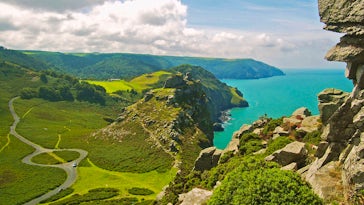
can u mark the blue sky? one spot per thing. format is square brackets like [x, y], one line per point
[283, 33]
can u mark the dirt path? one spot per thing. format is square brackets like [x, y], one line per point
[67, 167]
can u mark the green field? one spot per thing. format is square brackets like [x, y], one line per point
[138, 84]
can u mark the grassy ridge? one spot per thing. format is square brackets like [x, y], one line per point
[140, 83]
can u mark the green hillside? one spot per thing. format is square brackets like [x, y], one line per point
[121, 65]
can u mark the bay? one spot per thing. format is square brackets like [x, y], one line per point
[280, 96]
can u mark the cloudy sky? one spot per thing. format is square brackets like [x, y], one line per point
[284, 33]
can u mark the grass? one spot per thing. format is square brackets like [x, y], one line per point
[57, 157]
[138, 84]
[20, 182]
[122, 181]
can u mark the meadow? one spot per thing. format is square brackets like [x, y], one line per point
[138, 84]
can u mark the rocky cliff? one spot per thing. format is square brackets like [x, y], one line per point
[338, 171]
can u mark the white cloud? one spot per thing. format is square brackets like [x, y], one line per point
[144, 26]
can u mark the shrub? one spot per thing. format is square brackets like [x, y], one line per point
[250, 143]
[271, 125]
[277, 144]
[263, 186]
[140, 191]
[59, 195]
[313, 137]
[28, 93]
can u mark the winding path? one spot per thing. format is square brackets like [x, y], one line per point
[67, 167]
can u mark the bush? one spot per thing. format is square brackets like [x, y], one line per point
[263, 186]
[313, 137]
[250, 143]
[28, 93]
[140, 191]
[59, 195]
[271, 125]
[277, 144]
[92, 195]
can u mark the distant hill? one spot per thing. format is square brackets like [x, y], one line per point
[122, 65]
[18, 58]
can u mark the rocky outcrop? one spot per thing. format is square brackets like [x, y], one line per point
[329, 101]
[341, 151]
[196, 196]
[294, 152]
[207, 159]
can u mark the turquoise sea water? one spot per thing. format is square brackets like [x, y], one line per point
[280, 96]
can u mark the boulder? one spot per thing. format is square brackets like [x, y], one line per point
[280, 131]
[310, 124]
[303, 112]
[196, 196]
[207, 159]
[243, 130]
[290, 167]
[233, 146]
[329, 101]
[293, 152]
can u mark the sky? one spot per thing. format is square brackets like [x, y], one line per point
[284, 33]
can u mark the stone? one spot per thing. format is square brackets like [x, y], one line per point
[322, 146]
[290, 167]
[329, 101]
[292, 121]
[310, 124]
[280, 131]
[233, 146]
[354, 166]
[326, 181]
[293, 152]
[207, 159]
[196, 196]
[302, 112]
[243, 130]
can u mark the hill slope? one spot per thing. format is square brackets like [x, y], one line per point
[122, 65]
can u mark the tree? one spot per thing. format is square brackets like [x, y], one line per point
[43, 78]
[28, 93]
[49, 93]
[66, 94]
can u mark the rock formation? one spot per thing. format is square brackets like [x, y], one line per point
[342, 150]
[294, 152]
[207, 159]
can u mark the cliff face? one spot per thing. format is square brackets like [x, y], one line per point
[339, 168]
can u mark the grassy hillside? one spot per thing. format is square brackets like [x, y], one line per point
[126, 66]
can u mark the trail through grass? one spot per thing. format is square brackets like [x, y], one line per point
[6, 144]
[123, 181]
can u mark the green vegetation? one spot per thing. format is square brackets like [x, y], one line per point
[127, 66]
[250, 143]
[140, 191]
[122, 181]
[59, 195]
[92, 195]
[57, 157]
[263, 186]
[19, 182]
[277, 144]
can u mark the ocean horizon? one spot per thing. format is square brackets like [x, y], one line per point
[280, 96]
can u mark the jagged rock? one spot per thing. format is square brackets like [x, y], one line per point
[323, 145]
[310, 124]
[233, 146]
[354, 166]
[148, 96]
[293, 152]
[260, 123]
[303, 112]
[243, 130]
[175, 81]
[196, 196]
[258, 131]
[207, 159]
[329, 101]
[326, 181]
[280, 131]
[290, 167]
[292, 121]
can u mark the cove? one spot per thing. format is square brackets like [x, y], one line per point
[280, 96]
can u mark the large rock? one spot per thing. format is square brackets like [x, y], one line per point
[302, 112]
[310, 124]
[330, 100]
[196, 196]
[207, 159]
[293, 152]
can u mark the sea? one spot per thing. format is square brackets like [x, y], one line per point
[280, 96]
